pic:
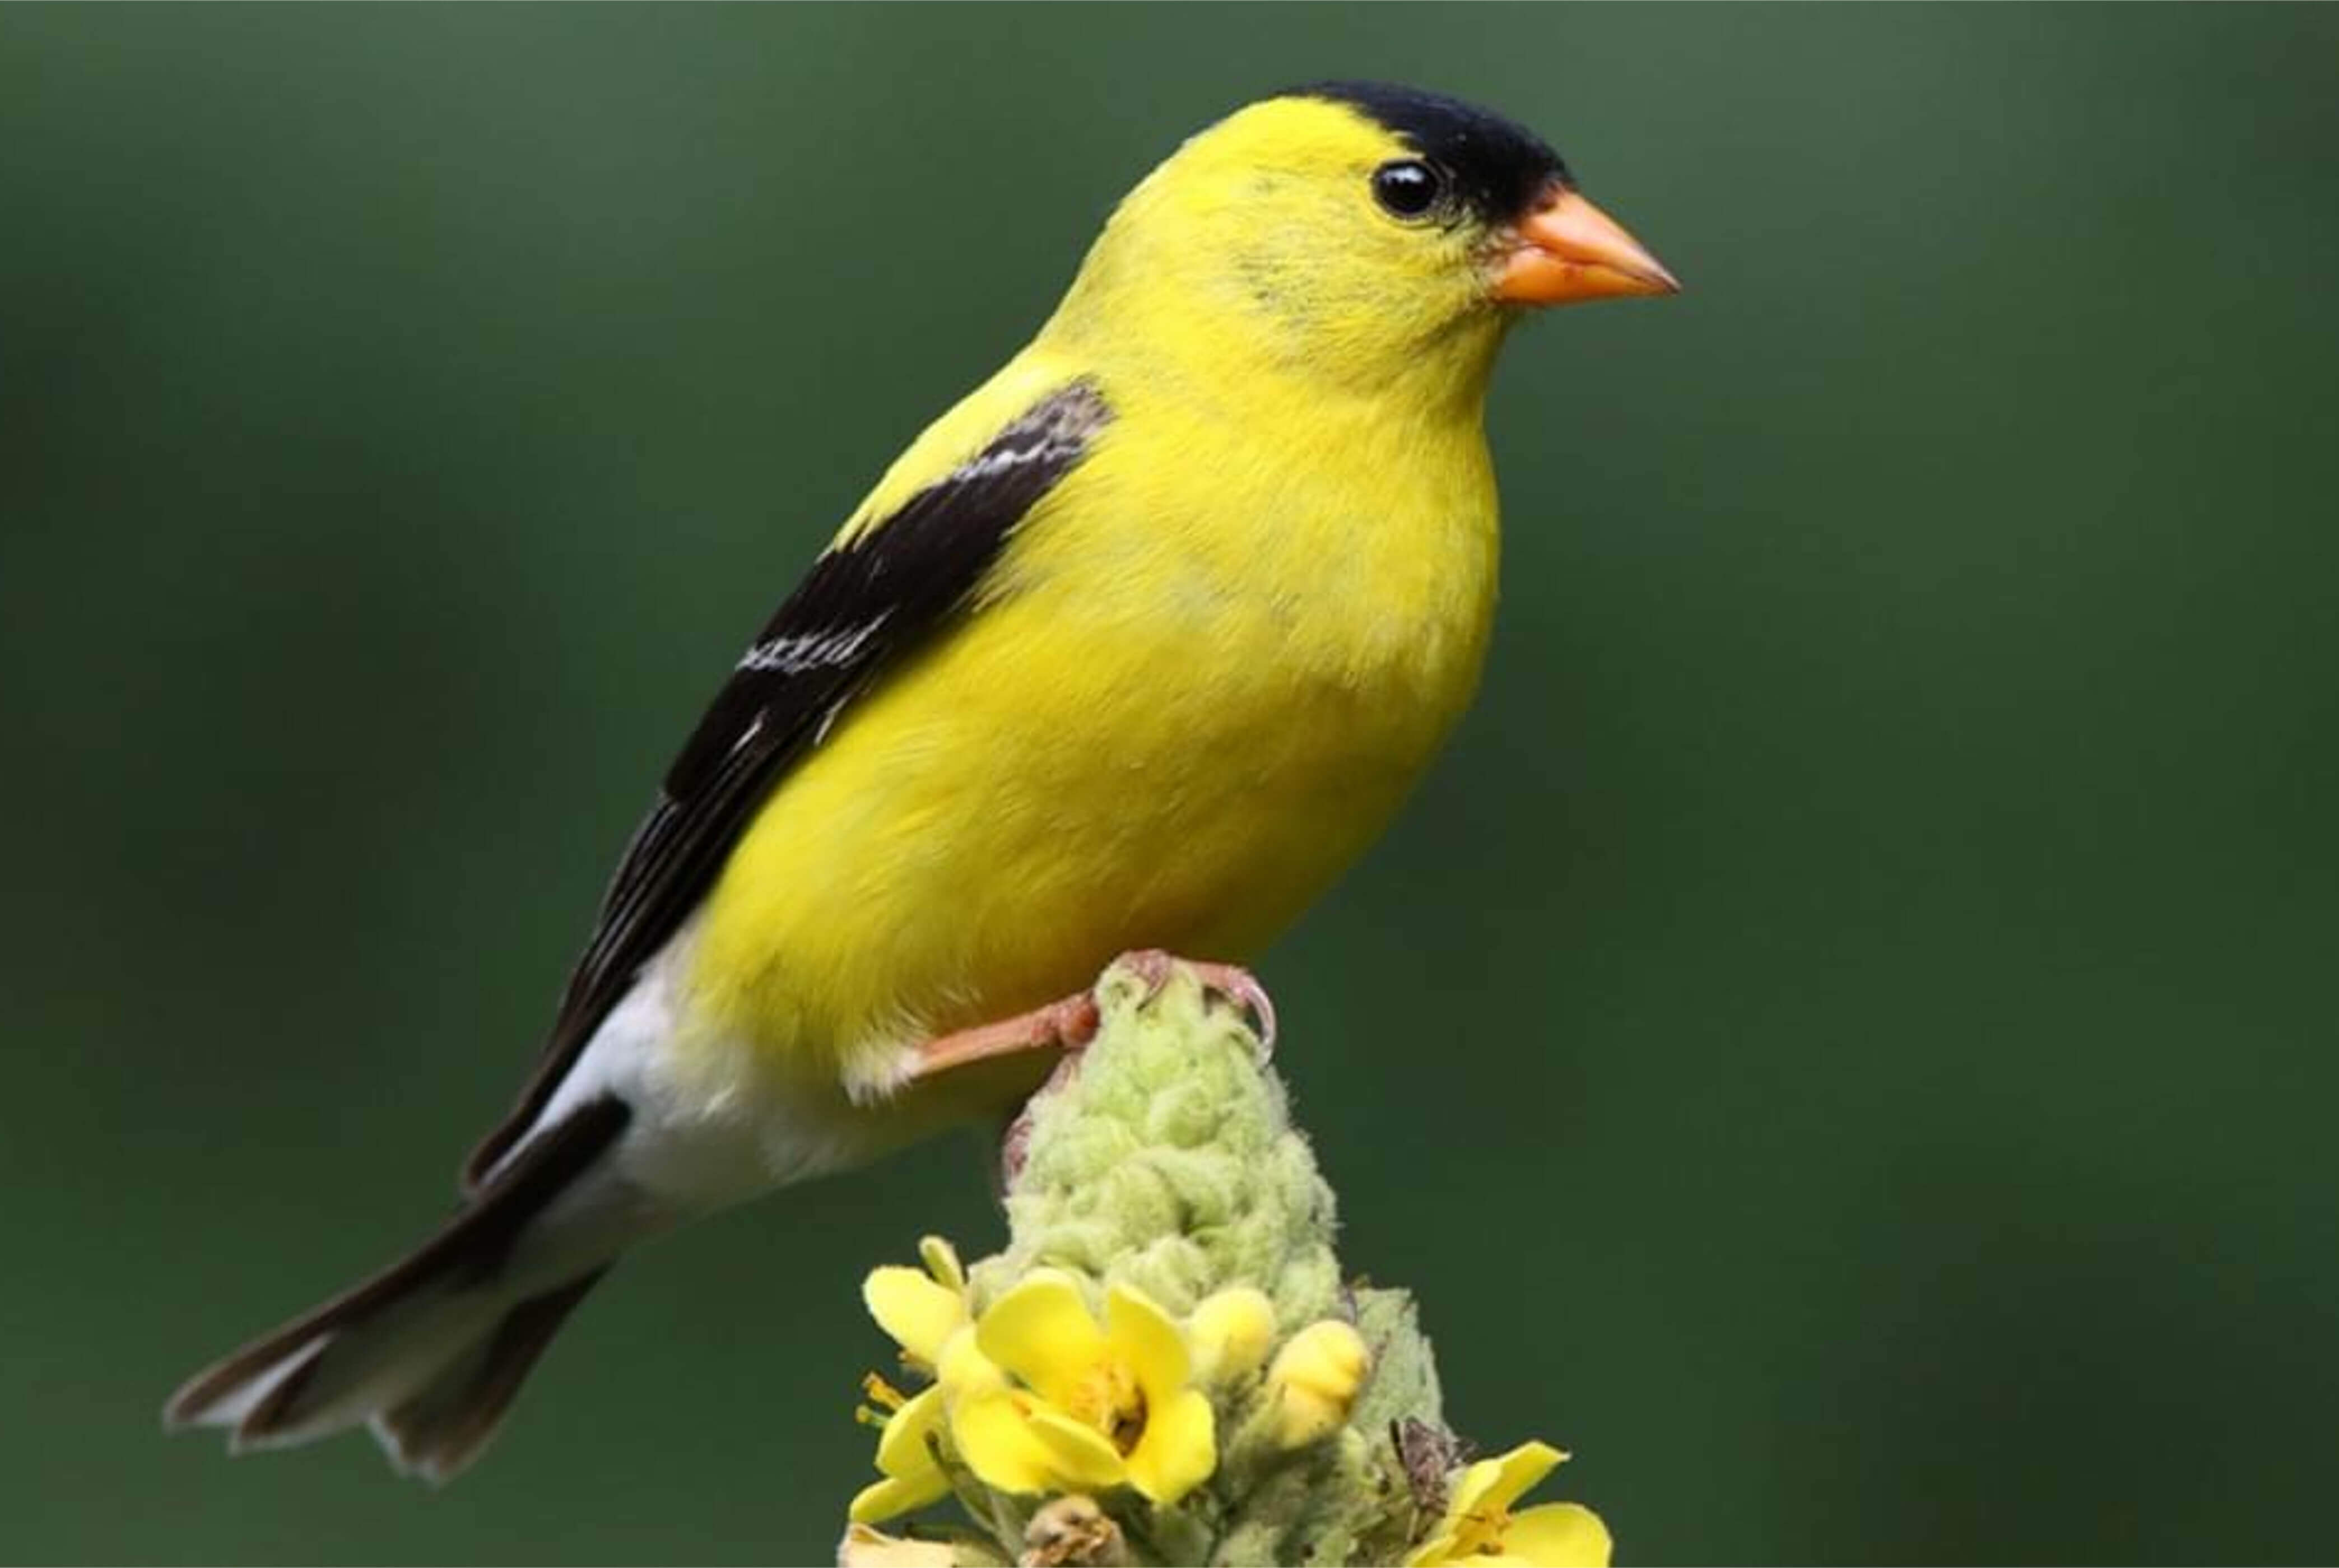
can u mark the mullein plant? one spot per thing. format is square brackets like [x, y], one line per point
[1166, 1364]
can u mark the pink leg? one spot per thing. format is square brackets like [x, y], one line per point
[1065, 1025]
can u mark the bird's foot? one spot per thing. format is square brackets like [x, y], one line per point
[1230, 981]
[1070, 1024]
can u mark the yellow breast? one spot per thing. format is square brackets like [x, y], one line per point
[1212, 668]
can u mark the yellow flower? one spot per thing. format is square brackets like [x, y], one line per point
[921, 1308]
[1230, 1332]
[912, 1477]
[1479, 1529]
[1092, 1406]
[1313, 1380]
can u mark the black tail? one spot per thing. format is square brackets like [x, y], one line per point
[431, 1351]
[441, 1429]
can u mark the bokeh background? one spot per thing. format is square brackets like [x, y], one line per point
[1844, 1042]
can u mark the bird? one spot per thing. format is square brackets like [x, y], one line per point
[1134, 650]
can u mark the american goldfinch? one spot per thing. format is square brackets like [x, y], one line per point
[1135, 648]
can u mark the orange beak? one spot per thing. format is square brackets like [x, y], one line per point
[1567, 250]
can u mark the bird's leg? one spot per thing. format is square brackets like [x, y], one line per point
[1066, 1025]
[1070, 1024]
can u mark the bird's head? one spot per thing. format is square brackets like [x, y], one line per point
[1355, 233]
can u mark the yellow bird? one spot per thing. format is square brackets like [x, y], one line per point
[1136, 649]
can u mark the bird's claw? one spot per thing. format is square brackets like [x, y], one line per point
[1226, 981]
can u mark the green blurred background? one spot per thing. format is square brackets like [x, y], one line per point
[1844, 1042]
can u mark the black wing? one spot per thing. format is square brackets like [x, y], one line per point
[860, 607]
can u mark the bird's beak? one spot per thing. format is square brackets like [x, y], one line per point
[1566, 251]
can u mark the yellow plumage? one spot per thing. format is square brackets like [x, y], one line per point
[1215, 657]
[1138, 647]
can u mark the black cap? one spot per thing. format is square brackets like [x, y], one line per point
[1498, 168]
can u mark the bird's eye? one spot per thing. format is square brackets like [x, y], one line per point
[1407, 188]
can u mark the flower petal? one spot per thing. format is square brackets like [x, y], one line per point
[910, 1306]
[895, 1495]
[964, 1369]
[1178, 1451]
[1495, 1484]
[1435, 1552]
[991, 1436]
[902, 1448]
[1481, 1494]
[1147, 1341]
[1042, 1332]
[1558, 1535]
[1464, 1529]
[1080, 1458]
[941, 1260]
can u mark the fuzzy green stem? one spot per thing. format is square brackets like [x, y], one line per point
[1165, 1161]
